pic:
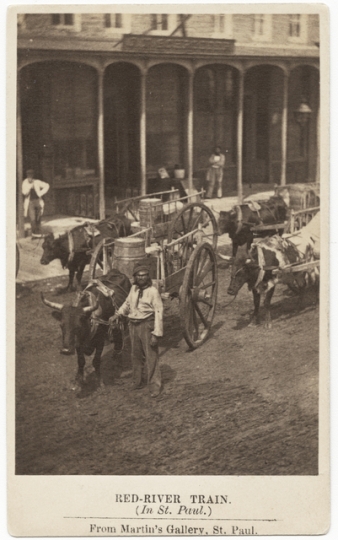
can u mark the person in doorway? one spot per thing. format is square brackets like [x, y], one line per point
[215, 173]
[33, 190]
[144, 309]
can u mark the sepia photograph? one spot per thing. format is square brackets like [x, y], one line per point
[170, 328]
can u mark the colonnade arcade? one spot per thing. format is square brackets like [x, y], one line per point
[123, 119]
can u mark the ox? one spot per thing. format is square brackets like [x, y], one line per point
[58, 248]
[257, 267]
[240, 220]
[84, 324]
[74, 248]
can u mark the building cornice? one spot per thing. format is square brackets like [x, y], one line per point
[154, 46]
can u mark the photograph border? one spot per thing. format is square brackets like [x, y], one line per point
[20, 488]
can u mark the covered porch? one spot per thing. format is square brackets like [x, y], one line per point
[99, 128]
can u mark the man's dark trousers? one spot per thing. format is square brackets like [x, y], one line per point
[140, 335]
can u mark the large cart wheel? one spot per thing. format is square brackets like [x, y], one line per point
[198, 295]
[191, 217]
[102, 258]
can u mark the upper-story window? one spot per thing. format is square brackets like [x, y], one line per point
[222, 26]
[117, 22]
[262, 27]
[163, 23]
[159, 21]
[294, 25]
[297, 28]
[66, 20]
[113, 20]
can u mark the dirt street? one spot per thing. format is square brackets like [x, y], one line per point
[245, 403]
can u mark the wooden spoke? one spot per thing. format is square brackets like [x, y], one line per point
[204, 273]
[201, 221]
[196, 324]
[204, 321]
[188, 220]
[210, 284]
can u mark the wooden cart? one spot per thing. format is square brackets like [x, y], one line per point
[181, 248]
[304, 200]
[289, 274]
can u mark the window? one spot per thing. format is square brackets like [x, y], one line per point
[297, 28]
[118, 22]
[66, 20]
[259, 25]
[294, 26]
[163, 24]
[262, 27]
[222, 26]
[159, 22]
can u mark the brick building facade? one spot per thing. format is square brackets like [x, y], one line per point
[106, 99]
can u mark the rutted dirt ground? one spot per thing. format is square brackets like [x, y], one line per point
[245, 403]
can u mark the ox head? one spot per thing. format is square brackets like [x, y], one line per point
[74, 320]
[230, 222]
[243, 271]
[227, 221]
[49, 252]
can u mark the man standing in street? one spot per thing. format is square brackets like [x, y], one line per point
[33, 191]
[144, 309]
[215, 173]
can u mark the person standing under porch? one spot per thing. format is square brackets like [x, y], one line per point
[215, 173]
[33, 190]
[144, 309]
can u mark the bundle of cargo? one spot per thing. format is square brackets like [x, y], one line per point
[300, 196]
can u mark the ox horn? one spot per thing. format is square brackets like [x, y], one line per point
[213, 209]
[53, 305]
[239, 219]
[225, 257]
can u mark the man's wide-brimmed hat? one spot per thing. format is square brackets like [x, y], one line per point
[140, 267]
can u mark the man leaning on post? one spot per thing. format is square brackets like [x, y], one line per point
[144, 309]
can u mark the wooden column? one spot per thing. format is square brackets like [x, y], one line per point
[143, 135]
[240, 138]
[190, 128]
[19, 172]
[284, 128]
[100, 138]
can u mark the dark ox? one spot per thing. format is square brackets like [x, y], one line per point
[255, 267]
[58, 248]
[74, 248]
[84, 326]
[239, 221]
